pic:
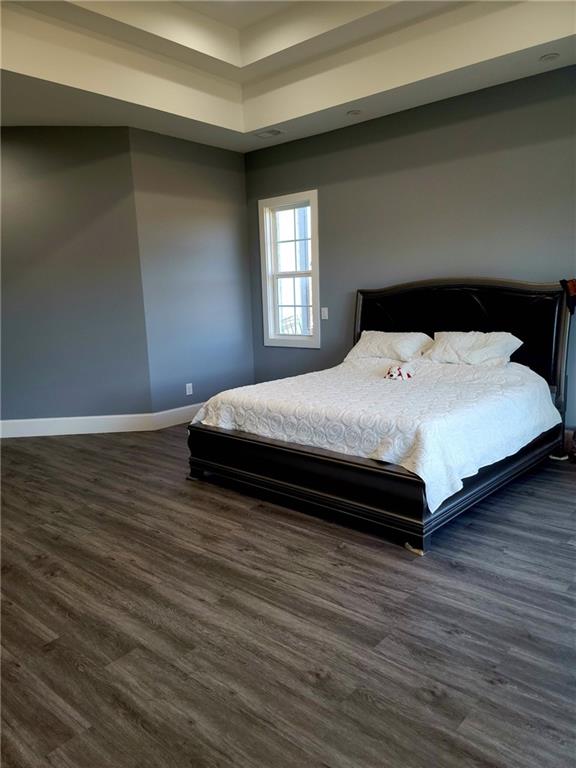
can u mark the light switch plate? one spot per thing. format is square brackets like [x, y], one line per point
[324, 313]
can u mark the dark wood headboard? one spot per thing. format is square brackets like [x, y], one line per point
[534, 312]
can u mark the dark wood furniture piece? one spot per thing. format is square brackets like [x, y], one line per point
[384, 497]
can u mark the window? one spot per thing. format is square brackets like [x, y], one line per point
[289, 252]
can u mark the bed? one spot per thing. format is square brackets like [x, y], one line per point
[403, 498]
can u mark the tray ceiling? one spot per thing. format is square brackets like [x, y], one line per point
[243, 75]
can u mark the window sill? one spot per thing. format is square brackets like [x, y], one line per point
[298, 342]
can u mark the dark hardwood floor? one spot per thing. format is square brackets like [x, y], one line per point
[150, 621]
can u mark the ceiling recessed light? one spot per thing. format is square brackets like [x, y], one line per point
[354, 112]
[269, 134]
[549, 57]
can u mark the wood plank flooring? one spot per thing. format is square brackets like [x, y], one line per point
[154, 622]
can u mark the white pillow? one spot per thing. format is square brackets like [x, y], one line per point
[395, 346]
[473, 348]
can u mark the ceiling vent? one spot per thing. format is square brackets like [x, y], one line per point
[269, 134]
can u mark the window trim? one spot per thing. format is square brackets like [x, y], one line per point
[268, 312]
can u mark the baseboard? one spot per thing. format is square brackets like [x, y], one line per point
[89, 425]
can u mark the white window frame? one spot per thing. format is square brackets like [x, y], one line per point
[269, 299]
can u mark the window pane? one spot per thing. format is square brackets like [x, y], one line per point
[302, 216]
[286, 290]
[304, 320]
[303, 260]
[286, 257]
[285, 224]
[295, 321]
[287, 320]
[302, 290]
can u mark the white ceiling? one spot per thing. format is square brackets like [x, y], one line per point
[224, 72]
[237, 14]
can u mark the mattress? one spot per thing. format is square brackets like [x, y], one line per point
[443, 424]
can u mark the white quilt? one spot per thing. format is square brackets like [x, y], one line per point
[443, 424]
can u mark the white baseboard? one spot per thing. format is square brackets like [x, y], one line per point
[89, 425]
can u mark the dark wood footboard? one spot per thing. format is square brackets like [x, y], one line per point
[377, 496]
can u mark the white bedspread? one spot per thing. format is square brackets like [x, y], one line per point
[443, 425]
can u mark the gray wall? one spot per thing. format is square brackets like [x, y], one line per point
[479, 185]
[73, 333]
[125, 272]
[191, 212]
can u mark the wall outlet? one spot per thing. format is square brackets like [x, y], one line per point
[189, 389]
[324, 313]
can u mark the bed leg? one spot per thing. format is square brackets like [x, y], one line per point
[560, 452]
[196, 473]
[418, 545]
